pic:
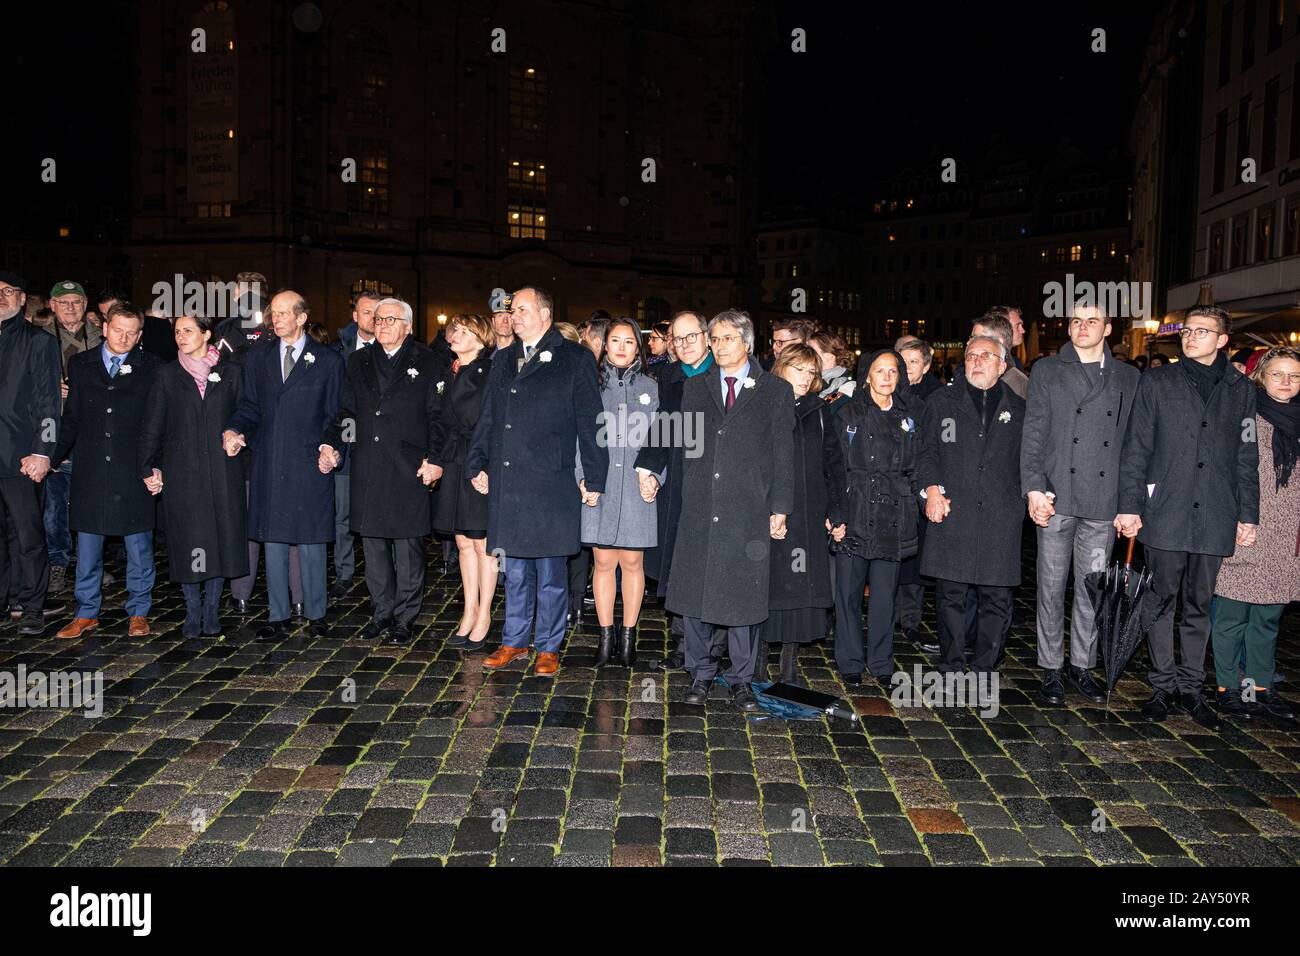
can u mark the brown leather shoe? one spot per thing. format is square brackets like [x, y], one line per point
[79, 626]
[139, 627]
[547, 664]
[503, 655]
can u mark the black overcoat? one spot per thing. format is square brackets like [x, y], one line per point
[667, 458]
[392, 420]
[532, 420]
[30, 373]
[203, 496]
[457, 507]
[979, 541]
[743, 474]
[101, 427]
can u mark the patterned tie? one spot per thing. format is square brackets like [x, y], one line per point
[116, 363]
[288, 361]
[528, 352]
[731, 391]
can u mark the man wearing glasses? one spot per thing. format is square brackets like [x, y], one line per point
[1078, 409]
[29, 413]
[788, 332]
[1189, 491]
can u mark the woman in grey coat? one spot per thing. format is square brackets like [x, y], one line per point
[624, 523]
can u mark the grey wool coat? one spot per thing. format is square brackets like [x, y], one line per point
[1075, 422]
[743, 474]
[622, 519]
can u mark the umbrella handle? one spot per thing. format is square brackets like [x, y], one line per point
[1128, 558]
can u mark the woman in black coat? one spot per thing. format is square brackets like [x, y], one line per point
[180, 448]
[457, 508]
[876, 501]
[799, 584]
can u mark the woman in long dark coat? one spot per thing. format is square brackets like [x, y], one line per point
[876, 501]
[180, 449]
[457, 508]
[799, 586]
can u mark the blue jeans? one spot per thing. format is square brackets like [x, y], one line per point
[58, 539]
[90, 571]
[538, 585]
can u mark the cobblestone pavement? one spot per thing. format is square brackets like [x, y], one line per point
[231, 751]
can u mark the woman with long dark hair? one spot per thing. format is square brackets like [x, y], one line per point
[181, 450]
[623, 524]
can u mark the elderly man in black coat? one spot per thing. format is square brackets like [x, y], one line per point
[736, 494]
[389, 412]
[1189, 491]
[969, 470]
[1077, 411]
[667, 455]
[542, 402]
[292, 389]
[30, 374]
[108, 390]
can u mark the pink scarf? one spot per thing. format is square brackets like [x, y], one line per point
[200, 367]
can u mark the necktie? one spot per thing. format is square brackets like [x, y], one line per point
[116, 363]
[288, 361]
[528, 352]
[731, 391]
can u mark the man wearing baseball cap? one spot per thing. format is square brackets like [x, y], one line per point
[29, 416]
[501, 328]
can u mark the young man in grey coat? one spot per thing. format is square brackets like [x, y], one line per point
[1075, 419]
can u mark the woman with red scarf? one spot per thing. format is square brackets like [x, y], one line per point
[182, 459]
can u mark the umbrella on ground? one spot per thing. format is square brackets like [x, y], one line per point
[1126, 607]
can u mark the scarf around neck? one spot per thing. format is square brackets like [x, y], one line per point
[199, 368]
[1285, 419]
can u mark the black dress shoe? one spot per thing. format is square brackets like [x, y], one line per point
[1230, 703]
[674, 661]
[475, 647]
[399, 634]
[1274, 704]
[274, 631]
[699, 692]
[627, 646]
[1200, 711]
[923, 642]
[605, 645]
[1160, 706]
[1053, 689]
[31, 624]
[851, 680]
[1082, 681]
[373, 629]
[742, 695]
[239, 605]
[340, 587]
[317, 628]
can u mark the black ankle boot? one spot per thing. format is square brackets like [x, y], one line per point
[212, 608]
[193, 619]
[790, 664]
[605, 649]
[627, 645]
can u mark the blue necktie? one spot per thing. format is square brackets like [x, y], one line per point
[528, 352]
[116, 363]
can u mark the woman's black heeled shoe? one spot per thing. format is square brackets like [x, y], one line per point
[627, 645]
[605, 650]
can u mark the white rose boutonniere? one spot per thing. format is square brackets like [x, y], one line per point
[213, 377]
[441, 385]
[413, 372]
[908, 425]
[750, 383]
[308, 358]
[124, 370]
[644, 399]
[544, 356]
[1004, 417]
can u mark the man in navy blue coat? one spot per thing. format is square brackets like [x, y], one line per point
[292, 390]
[541, 402]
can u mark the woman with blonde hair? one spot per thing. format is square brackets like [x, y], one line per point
[835, 364]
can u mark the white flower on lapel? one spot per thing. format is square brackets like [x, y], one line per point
[907, 425]
[124, 370]
[1004, 417]
[750, 383]
[308, 358]
[644, 399]
[414, 372]
[213, 377]
[545, 356]
[441, 385]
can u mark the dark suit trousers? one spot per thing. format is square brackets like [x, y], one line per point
[1195, 574]
[395, 577]
[24, 564]
[579, 573]
[701, 660]
[993, 605]
[851, 573]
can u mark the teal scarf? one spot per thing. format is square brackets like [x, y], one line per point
[705, 364]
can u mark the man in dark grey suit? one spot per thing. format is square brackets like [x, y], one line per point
[1078, 408]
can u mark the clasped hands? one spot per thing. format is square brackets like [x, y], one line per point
[837, 532]
[35, 467]
[937, 504]
[232, 441]
[1041, 507]
[589, 498]
[154, 482]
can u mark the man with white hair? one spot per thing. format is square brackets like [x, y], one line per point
[389, 412]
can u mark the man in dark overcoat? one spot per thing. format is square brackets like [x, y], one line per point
[969, 470]
[30, 375]
[736, 494]
[389, 415]
[1078, 408]
[1189, 490]
[292, 389]
[542, 402]
[108, 391]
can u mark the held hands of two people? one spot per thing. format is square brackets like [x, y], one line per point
[35, 467]
[937, 504]
[232, 442]
[1041, 507]
[589, 498]
[329, 459]
[837, 532]
[429, 472]
[649, 487]
[154, 482]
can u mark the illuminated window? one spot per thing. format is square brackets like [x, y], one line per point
[368, 80]
[1076, 253]
[368, 196]
[526, 222]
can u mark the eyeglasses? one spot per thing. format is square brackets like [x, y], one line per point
[690, 339]
[388, 319]
[981, 357]
[8, 292]
[776, 341]
[1277, 376]
[724, 339]
[1199, 335]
